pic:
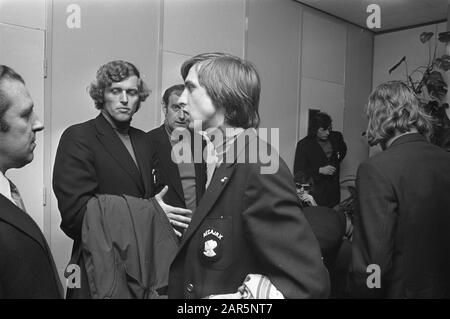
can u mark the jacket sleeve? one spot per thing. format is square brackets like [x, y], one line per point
[279, 233]
[74, 181]
[374, 222]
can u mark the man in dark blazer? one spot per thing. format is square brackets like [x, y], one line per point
[105, 155]
[319, 155]
[186, 181]
[249, 220]
[27, 269]
[401, 235]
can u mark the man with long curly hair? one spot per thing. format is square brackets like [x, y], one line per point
[401, 236]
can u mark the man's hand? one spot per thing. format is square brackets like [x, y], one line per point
[179, 217]
[327, 170]
[308, 199]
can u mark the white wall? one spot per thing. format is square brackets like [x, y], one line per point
[323, 68]
[274, 47]
[198, 26]
[358, 84]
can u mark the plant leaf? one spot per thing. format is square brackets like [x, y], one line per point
[425, 36]
[444, 36]
[397, 65]
[436, 85]
[443, 62]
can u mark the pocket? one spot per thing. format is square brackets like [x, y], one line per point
[216, 243]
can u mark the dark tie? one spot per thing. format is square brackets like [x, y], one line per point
[16, 196]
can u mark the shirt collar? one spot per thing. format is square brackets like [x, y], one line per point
[5, 189]
[227, 132]
[173, 140]
[389, 143]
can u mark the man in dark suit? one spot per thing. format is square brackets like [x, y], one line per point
[106, 155]
[186, 181]
[249, 221]
[27, 269]
[401, 235]
[319, 155]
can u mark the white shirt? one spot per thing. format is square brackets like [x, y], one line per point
[5, 189]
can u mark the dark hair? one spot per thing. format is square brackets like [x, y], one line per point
[232, 83]
[6, 73]
[301, 177]
[319, 120]
[112, 72]
[177, 88]
[394, 108]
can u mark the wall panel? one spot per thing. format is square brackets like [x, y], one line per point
[198, 26]
[25, 13]
[358, 84]
[274, 48]
[323, 47]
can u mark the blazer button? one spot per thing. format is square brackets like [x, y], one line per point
[190, 287]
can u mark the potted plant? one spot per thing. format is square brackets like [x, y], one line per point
[431, 87]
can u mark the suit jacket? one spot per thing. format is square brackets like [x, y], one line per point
[248, 223]
[309, 157]
[27, 269]
[91, 159]
[167, 170]
[403, 221]
[128, 245]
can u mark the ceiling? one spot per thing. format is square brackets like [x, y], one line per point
[395, 14]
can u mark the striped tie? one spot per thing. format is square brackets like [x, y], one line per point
[16, 196]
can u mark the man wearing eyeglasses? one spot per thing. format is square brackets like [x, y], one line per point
[319, 155]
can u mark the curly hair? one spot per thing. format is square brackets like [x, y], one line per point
[394, 108]
[112, 72]
[233, 84]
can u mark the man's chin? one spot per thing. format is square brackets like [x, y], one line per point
[178, 125]
[122, 118]
[24, 161]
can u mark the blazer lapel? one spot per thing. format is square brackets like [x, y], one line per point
[13, 215]
[320, 154]
[218, 183]
[164, 149]
[117, 150]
